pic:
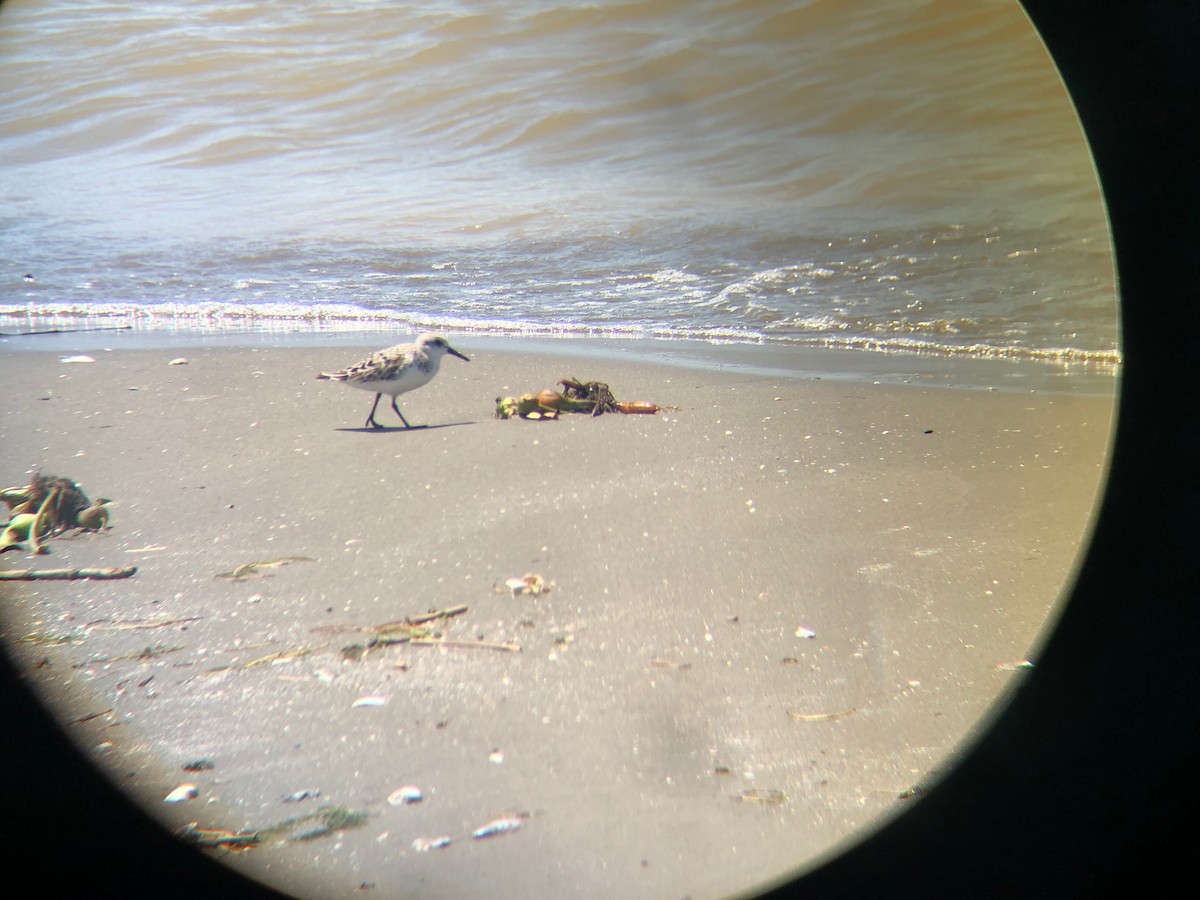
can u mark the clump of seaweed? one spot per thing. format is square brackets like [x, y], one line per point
[591, 397]
[67, 500]
[47, 506]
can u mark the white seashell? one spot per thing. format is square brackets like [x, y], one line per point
[496, 756]
[405, 795]
[179, 361]
[422, 845]
[185, 791]
[77, 359]
[495, 827]
[368, 701]
[803, 632]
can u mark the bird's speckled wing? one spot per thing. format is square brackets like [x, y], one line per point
[384, 364]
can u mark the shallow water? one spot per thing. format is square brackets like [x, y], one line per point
[891, 177]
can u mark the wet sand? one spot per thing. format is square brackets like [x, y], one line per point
[923, 536]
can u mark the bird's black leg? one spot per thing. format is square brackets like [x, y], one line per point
[400, 414]
[371, 423]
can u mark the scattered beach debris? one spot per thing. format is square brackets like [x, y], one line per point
[504, 646]
[198, 765]
[89, 716]
[529, 583]
[669, 664]
[95, 517]
[48, 638]
[764, 796]
[434, 614]
[369, 702]
[141, 624]
[144, 654]
[414, 632]
[354, 652]
[329, 819]
[67, 574]
[49, 505]
[16, 533]
[301, 796]
[217, 837]
[592, 398]
[722, 770]
[405, 796]
[254, 569]
[424, 845]
[915, 791]
[504, 825]
[412, 629]
[282, 656]
[186, 791]
[526, 406]
[601, 397]
[802, 632]
[820, 717]
[1014, 666]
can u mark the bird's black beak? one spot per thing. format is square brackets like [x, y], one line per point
[454, 352]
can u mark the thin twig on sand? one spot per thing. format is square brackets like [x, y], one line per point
[506, 646]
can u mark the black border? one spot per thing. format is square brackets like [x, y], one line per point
[1087, 783]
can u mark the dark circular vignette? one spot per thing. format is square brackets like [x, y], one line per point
[1085, 784]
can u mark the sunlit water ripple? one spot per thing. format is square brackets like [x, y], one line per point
[884, 178]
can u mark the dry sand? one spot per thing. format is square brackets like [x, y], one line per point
[923, 535]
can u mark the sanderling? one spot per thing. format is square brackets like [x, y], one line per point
[396, 370]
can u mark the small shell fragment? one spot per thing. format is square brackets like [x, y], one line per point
[368, 701]
[405, 795]
[77, 359]
[423, 845]
[178, 361]
[497, 826]
[529, 583]
[186, 791]
[803, 632]
[496, 756]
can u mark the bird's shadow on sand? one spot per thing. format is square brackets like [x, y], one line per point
[400, 429]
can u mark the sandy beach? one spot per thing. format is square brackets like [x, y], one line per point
[773, 608]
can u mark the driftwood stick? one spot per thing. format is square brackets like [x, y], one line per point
[66, 574]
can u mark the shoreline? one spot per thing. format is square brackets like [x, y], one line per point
[932, 369]
[924, 535]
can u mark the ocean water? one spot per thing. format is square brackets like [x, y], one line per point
[881, 177]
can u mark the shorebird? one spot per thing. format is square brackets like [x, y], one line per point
[395, 371]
